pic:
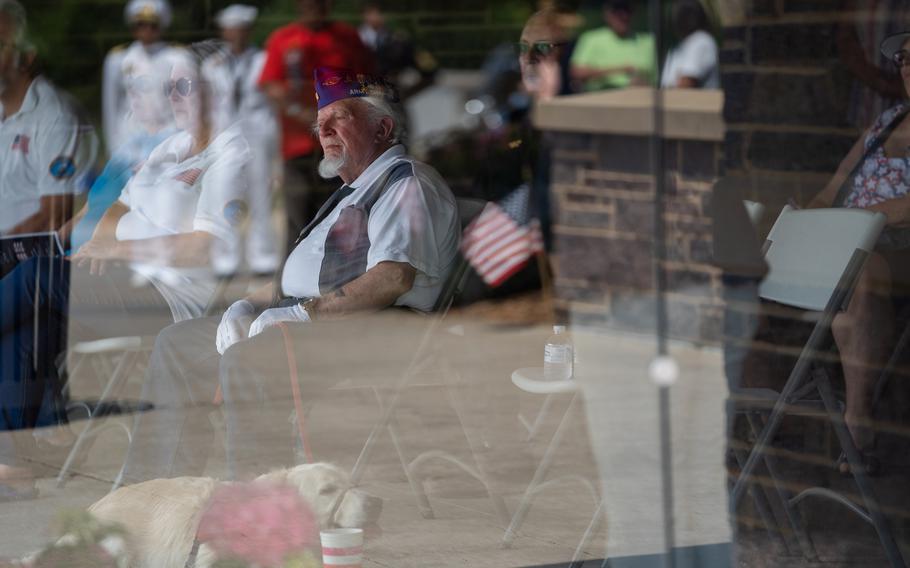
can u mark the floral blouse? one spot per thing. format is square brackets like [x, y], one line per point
[880, 178]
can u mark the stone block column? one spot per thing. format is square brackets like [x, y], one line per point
[603, 198]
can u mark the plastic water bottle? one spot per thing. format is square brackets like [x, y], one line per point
[558, 356]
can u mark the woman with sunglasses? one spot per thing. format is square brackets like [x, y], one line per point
[875, 175]
[542, 55]
[145, 266]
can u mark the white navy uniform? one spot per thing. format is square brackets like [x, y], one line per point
[46, 148]
[156, 60]
[238, 99]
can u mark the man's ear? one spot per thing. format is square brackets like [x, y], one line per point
[385, 128]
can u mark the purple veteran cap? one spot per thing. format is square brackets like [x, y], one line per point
[334, 84]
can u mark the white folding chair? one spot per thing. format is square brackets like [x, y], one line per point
[815, 258]
[116, 358]
[531, 380]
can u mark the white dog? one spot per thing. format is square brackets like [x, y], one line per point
[161, 516]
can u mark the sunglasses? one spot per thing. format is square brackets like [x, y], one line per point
[901, 58]
[184, 87]
[539, 48]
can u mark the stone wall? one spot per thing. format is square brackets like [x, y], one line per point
[788, 94]
[603, 188]
[787, 97]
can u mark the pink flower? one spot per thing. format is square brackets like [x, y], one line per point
[259, 523]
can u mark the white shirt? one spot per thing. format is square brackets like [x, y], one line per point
[414, 221]
[175, 193]
[155, 60]
[231, 76]
[46, 148]
[369, 36]
[695, 57]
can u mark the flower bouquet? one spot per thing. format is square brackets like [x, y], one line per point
[260, 525]
[86, 543]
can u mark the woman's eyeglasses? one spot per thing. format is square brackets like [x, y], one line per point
[184, 87]
[901, 58]
[538, 48]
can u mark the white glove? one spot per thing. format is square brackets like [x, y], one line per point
[272, 316]
[235, 324]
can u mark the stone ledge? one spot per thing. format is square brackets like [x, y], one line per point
[690, 114]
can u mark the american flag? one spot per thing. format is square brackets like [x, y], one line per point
[20, 142]
[501, 240]
[188, 177]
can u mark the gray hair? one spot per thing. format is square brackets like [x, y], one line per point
[16, 13]
[379, 108]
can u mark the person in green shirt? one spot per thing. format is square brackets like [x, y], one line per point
[614, 56]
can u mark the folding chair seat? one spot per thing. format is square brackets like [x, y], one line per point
[815, 258]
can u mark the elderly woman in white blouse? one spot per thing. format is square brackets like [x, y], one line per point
[145, 266]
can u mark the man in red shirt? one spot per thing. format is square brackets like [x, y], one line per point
[292, 53]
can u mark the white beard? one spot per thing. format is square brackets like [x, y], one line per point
[328, 167]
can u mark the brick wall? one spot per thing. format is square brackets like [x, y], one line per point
[787, 98]
[603, 188]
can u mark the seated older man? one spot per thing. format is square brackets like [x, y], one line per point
[387, 238]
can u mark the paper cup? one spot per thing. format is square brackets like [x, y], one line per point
[342, 548]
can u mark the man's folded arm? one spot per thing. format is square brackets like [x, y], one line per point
[376, 289]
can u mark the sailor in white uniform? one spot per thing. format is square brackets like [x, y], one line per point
[233, 74]
[147, 19]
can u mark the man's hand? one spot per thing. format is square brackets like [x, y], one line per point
[98, 252]
[235, 325]
[272, 316]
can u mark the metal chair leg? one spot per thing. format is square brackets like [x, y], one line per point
[879, 522]
[120, 373]
[423, 504]
[534, 428]
[793, 516]
[525, 504]
[795, 380]
[763, 507]
[586, 537]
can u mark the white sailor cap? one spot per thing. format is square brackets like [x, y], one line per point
[237, 16]
[155, 11]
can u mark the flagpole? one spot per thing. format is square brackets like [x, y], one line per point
[546, 281]
[663, 370]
